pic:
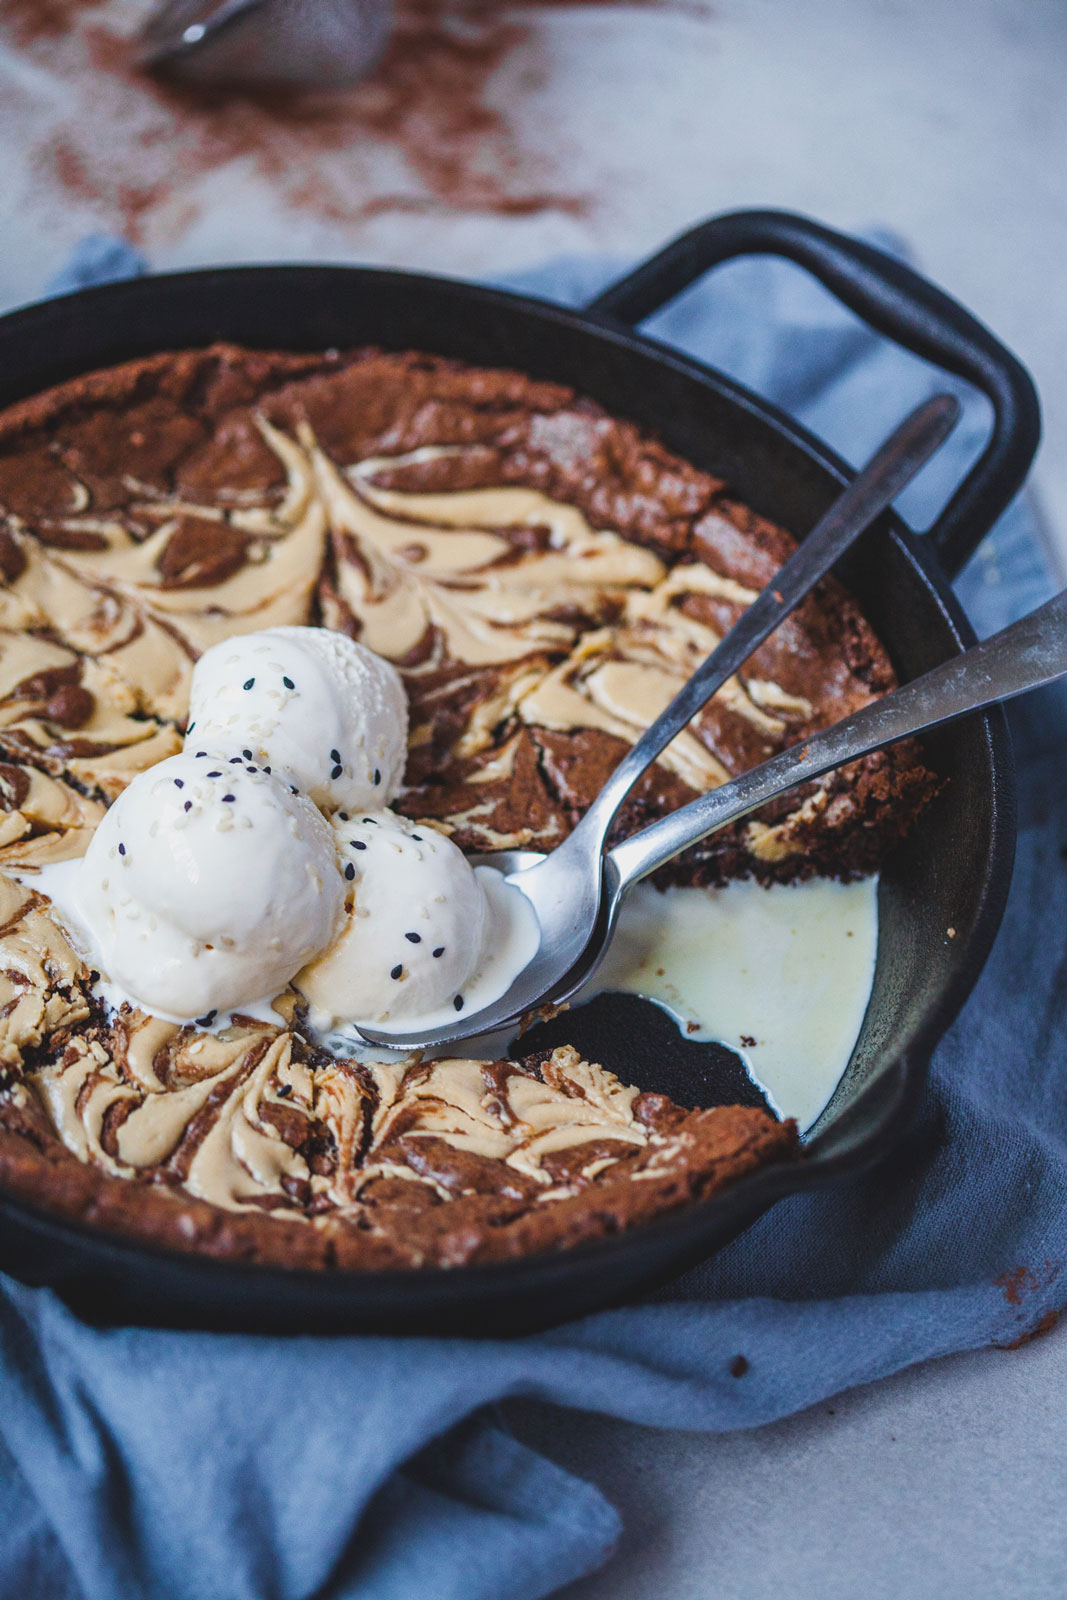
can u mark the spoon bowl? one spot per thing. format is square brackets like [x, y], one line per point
[288, 44]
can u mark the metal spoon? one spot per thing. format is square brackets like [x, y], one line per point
[1027, 655]
[288, 43]
[567, 886]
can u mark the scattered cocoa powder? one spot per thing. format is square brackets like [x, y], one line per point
[1016, 1284]
[26, 21]
[138, 141]
[1043, 1325]
[1019, 1285]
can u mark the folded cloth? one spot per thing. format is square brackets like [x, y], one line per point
[98, 258]
[142, 1463]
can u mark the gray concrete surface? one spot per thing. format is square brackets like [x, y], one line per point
[945, 1482]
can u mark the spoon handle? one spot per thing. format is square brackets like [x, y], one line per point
[1027, 655]
[873, 489]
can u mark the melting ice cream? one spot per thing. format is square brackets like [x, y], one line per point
[206, 885]
[308, 702]
[264, 853]
[419, 925]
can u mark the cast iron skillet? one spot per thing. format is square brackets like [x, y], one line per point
[953, 872]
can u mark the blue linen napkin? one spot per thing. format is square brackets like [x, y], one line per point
[212, 1467]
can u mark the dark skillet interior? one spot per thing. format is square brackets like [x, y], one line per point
[953, 873]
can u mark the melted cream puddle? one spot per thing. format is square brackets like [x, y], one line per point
[780, 975]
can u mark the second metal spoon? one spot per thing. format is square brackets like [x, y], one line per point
[566, 887]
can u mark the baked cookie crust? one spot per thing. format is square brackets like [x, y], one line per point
[544, 576]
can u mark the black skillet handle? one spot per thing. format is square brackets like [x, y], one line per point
[895, 301]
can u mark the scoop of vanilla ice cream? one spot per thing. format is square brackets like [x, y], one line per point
[207, 885]
[309, 703]
[415, 928]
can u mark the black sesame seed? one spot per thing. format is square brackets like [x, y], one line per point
[235, 761]
[289, 684]
[188, 806]
[284, 1091]
[214, 774]
[201, 754]
[337, 771]
[357, 844]
[266, 769]
[343, 815]
[372, 820]
[350, 872]
[458, 1002]
[440, 950]
[293, 789]
[377, 776]
[249, 682]
[179, 783]
[190, 728]
[413, 938]
[417, 837]
[207, 1019]
[94, 976]
[251, 769]
[397, 971]
[227, 797]
[335, 755]
[247, 754]
[122, 849]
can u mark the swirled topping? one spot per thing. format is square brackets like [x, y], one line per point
[250, 1119]
[246, 1120]
[42, 819]
[444, 577]
[41, 977]
[104, 611]
[536, 634]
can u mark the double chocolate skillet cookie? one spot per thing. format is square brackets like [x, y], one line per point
[544, 577]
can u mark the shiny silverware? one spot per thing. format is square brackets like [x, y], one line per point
[575, 891]
[286, 43]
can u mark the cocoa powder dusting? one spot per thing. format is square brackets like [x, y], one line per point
[1019, 1285]
[26, 21]
[137, 141]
